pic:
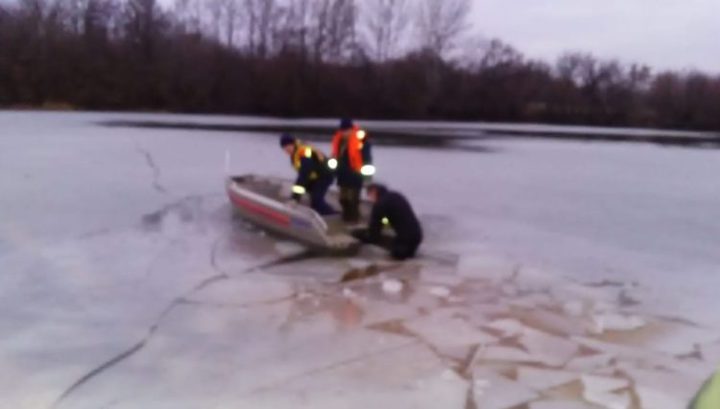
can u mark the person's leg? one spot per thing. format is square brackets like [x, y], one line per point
[350, 185]
[413, 248]
[344, 203]
[400, 251]
[388, 243]
[353, 205]
[317, 197]
[403, 250]
[343, 183]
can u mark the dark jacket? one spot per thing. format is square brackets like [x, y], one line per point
[394, 210]
[311, 166]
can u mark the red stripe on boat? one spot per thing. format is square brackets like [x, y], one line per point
[277, 217]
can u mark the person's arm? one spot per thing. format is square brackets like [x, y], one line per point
[368, 169]
[335, 146]
[332, 161]
[367, 151]
[300, 187]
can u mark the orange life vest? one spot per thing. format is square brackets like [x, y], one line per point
[353, 145]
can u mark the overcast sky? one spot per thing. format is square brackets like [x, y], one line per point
[675, 34]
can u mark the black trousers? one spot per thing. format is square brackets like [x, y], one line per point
[318, 190]
[400, 248]
[404, 249]
[350, 202]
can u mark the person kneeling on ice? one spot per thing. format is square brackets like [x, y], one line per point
[393, 210]
[314, 176]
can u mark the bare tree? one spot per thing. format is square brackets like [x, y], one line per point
[441, 23]
[214, 15]
[231, 18]
[575, 67]
[385, 24]
[224, 18]
[73, 12]
[639, 77]
[341, 29]
[191, 14]
[293, 32]
[143, 25]
[262, 21]
[590, 73]
[498, 54]
[333, 26]
[89, 18]
[35, 11]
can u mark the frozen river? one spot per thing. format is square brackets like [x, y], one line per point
[125, 283]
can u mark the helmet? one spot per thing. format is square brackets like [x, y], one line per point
[287, 139]
[346, 123]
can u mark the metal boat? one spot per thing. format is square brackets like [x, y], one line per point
[264, 201]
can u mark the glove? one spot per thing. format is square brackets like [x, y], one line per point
[368, 170]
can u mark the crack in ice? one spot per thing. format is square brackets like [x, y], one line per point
[465, 371]
[152, 330]
[264, 303]
[463, 368]
[109, 364]
[157, 173]
[331, 367]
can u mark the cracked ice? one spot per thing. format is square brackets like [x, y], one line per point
[114, 297]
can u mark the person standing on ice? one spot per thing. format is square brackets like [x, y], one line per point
[314, 175]
[391, 209]
[352, 160]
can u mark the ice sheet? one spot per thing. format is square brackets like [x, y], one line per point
[125, 282]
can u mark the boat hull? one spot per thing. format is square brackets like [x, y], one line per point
[263, 201]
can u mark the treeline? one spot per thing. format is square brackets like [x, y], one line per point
[401, 59]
